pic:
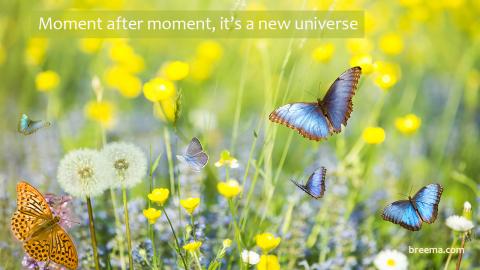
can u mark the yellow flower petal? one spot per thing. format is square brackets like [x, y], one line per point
[192, 246]
[47, 80]
[190, 204]
[373, 135]
[267, 241]
[159, 195]
[229, 189]
[408, 124]
[159, 89]
[152, 214]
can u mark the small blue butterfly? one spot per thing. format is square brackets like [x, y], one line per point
[317, 120]
[27, 126]
[411, 213]
[194, 156]
[315, 185]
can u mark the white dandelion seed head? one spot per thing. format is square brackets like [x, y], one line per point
[459, 223]
[391, 260]
[128, 161]
[83, 173]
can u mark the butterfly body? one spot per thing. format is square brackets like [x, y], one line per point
[318, 120]
[34, 224]
[26, 126]
[315, 186]
[411, 213]
[194, 156]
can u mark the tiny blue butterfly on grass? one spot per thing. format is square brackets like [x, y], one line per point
[26, 126]
[194, 156]
[317, 120]
[411, 213]
[315, 185]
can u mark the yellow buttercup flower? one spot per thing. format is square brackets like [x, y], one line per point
[47, 80]
[391, 43]
[200, 69]
[35, 51]
[129, 86]
[359, 46]
[387, 74]
[227, 243]
[159, 89]
[176, 70]
[159, 196]
[152, 214]
[268, 262]
[192, 246]
[373, 135]
[324, 52]
[190, 204]
[101, 111]
[267, 241]
[229, 189]
[121, 52]
[210, 50]
[408, 124]
[165, 110]
[114, 74]
[90, 45]
[134, 64]
[227, 160]
[364, 61]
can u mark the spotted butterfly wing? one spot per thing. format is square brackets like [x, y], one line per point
[194, 156]
[26, 126]
[317, 120]
[411, 213]
[315, 185]
[34, 224]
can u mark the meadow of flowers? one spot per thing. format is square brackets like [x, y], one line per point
[121, 110]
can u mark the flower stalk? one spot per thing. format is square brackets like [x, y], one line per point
[93, 237]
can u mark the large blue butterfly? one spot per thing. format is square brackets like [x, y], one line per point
[411, 213]
[317, 120]
[194, 156]
[315, 185]
[26, 126]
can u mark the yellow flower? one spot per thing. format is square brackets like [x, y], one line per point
[134, 64]
[267, 241]
[268, 262]
[102, 112]
[165, 110]
[90, 45]
[364, 61]
[391, 43]
[324, 52]
[359, 45]
[387, 74]
[124, 55]
[210, 50]
[47, 80]
[229, 189]
[200, 69]
[152, 214]
[408, 124]
[227, 159]
[190, 204]
[159, 196]
[35, 51]
[373, 135]
[159, 89]
[227, 243]
[114, 74]
[176, 70]
[130, 86]
[192, 246]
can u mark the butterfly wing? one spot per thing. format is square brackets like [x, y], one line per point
[63, 249]
[24, 225]
[39, 247]
[194, 147]
[338, 100]
[27, 126]
[404, 214]
[316, 183]
[426, 201]
[306, 118]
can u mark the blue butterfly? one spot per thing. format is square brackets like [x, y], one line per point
[411, 213]
[315, 185]
[317, 120]
[194, 156]
[26, 126]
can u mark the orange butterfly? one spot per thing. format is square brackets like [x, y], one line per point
[34, 224]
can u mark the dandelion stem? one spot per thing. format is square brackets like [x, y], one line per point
[93, 237]
[454, 242]
[118, 225]
[176, 239]
[462, 247]
[127, 227]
